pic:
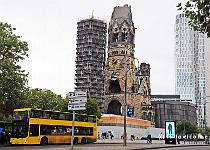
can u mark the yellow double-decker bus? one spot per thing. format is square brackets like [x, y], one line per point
[34, 126]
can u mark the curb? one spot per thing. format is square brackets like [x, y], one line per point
[158, 147]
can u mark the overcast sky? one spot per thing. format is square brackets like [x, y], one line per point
[50, 27]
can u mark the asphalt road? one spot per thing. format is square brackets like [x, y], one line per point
[187, 148]
[97, 147]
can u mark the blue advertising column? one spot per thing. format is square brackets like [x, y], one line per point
[170, 132]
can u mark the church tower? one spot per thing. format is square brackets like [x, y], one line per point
[121, 73]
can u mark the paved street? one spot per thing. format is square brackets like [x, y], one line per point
[188, 148]
[115, 145]
[106, 147]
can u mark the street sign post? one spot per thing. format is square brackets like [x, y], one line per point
[76, 101]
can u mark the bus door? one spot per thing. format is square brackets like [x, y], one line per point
[33, 137]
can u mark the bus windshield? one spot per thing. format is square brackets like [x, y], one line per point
[19, 129]
[20, 115]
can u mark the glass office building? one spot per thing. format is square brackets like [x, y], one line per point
[191, 57]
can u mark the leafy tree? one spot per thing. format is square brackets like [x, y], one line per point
[204, 131]
[92, 107]
[185, 127]
[12, 78]
[199, 14]
[46, 100]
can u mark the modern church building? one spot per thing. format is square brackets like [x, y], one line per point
[191, 64]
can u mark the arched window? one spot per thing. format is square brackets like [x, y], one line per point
[115, 37]
[114, 86]
[124, 35]
[144, 116]
[114, 107]
[150, 116]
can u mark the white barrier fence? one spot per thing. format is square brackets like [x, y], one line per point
[137, 132]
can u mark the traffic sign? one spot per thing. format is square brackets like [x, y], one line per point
[130, 110]
[81, 106]
[70, 94]
[80, 94]
[77, 100]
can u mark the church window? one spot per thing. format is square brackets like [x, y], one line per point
[114, 87]
[115, 37]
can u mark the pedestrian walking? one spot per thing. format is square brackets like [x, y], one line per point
[111, 135]
[149, 139]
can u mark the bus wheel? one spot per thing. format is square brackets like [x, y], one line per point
[75, 141]
[83, 141]
[44, 141]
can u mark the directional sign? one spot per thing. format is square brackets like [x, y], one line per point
[80, 94]
[77, 100]
[77, 106]
[70, 94]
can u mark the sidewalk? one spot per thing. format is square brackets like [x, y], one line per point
[116, 144]
[118, 141]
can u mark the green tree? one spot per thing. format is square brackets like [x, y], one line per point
[92, 107]
[13, 78]
[199, 14]
[185, 127]
[46, 100]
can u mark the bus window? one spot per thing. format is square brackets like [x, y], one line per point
[77, 117]
[36, 113]
[68, 130]
[61, 116]
[83, 131]
[88, 131]
[92, 119]
[46, 114]
[68, 117]
[84, 118]
[55, 130]
[61, 130]
[20, 115]
[20, 131]
[34, 130]
[54, 115]
[45, 130]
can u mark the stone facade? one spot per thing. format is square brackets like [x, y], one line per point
[120, 69]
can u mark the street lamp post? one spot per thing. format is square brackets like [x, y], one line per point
[204, 121]
[184, 125]
[114, 77]
[125, 109]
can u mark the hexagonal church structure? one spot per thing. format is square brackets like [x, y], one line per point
[121, 73]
